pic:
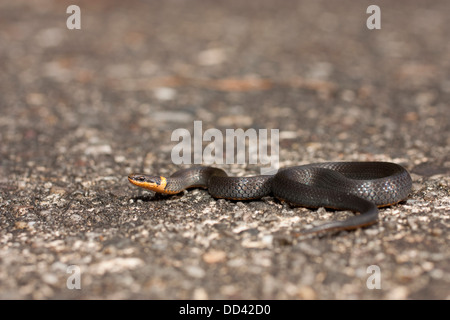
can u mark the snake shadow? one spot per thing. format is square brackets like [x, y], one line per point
[156, 197]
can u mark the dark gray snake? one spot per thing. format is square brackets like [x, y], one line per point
[356, 186]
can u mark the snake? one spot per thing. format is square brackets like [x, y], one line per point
[360, 187]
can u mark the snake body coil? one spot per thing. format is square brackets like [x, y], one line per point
[356, 186]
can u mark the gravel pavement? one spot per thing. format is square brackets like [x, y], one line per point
[81, 109]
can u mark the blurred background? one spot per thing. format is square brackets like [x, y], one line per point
[138, 70]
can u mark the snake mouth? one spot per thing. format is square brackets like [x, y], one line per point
[153, 183]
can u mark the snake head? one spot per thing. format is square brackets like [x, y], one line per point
[153, 183]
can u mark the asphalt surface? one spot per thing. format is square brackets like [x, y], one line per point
[81, 109]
